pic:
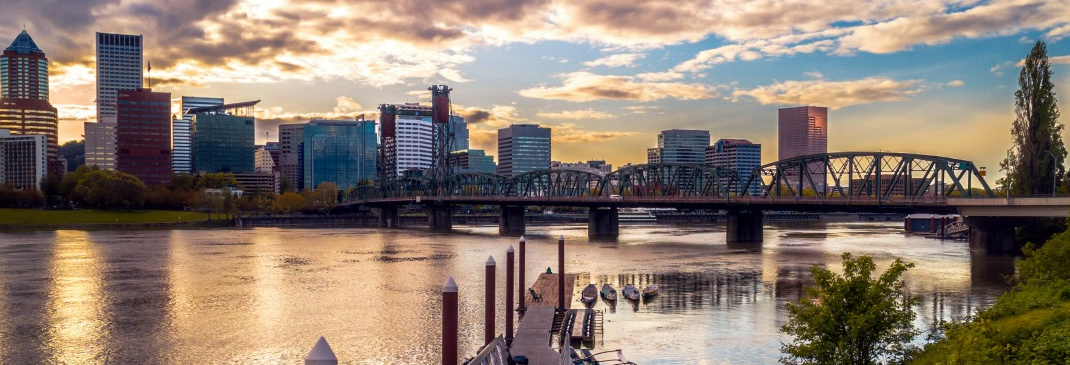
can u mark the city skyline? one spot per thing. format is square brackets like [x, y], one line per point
[903, 77]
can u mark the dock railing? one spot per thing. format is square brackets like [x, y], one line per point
[494, 353]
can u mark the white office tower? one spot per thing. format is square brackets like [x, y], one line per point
[119, 60]
[414, 138]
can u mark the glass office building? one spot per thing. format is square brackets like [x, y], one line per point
[523, 148]
[224, 138]
[339, 151]
[680, 146]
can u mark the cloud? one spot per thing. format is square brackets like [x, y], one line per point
[453, 75]
[641, 109]
[572, 133]
[585, 86]
[497, 116]
[956, 83]
[833, 94]
[577, 114]
[346, 105]
[1059, 60]
[815, 75]
[617, 60]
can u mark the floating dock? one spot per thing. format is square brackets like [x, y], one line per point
[534, 339]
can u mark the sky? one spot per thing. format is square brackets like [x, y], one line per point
[923, 76]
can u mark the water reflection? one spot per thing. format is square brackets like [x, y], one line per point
[264, 295]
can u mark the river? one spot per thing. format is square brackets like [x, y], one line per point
[265, 295]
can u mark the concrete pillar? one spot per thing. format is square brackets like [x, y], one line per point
[511, 220]
[603, 223]
[449, 322]
[744, 226]
[523, 286]
[440, 218]
[992, 235]
[561, 272]
[509, 259]
[488, 326]
[321, 354]
[388, 216]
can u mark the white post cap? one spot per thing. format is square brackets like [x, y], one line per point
[450, 286]
[321, 353]
[522, 239]
[510, 250]
[561, 238]
[490, 261]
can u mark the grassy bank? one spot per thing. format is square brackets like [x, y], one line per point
[38, 217]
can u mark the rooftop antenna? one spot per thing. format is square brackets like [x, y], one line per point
[150, 74]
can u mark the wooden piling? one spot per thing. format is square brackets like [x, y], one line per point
[523, 286]
[449, 322]
[509, 294]
[561, 271]
[488, 328]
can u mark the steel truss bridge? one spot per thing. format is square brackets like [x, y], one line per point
[833, 182]
[847, 178]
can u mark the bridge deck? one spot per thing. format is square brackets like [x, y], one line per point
[533, 336]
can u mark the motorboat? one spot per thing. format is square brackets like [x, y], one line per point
[630, 292]
[608, 293]
[650, 291]
[589, 294]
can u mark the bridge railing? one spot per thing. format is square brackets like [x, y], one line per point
[696, 199]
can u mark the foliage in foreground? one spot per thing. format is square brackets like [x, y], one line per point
[852, 318]
[1028, 325]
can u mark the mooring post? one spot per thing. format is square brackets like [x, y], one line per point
[321, 354]
[561, 272]
[449, 322]
[488, 329]
[509, 294]
[522, 287]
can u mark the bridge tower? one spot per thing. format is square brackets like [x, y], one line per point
[441, 110]
[388, 129]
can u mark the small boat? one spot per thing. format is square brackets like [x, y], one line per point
[650, 291]
[608, 293]
[589, 294]
[630, 292]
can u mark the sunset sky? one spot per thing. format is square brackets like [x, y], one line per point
[925, 76]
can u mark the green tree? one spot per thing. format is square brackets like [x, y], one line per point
[852, 318]
[1037, 133]
[289, 203]
[110, 189]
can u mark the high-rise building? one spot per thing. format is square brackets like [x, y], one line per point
[119, 60]
[803, 131]
[339, 151]
[471, 161]
[680, 146]
[224, 138]
[291, 154]
[523, 148]
[460, 133]
[737, 154]
[181, 129]
[23, 159]
[415, 142]
[143, 135]
[24, 105]
[267, 158]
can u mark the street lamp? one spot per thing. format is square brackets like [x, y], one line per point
[1054, 172]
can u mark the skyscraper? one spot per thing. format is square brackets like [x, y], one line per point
[182, 142]
[737, 154]
[472, 162]
[415, 142]
[142, 135]
[119, 60]
[803, 131]
[24, 106]
[523, 148]
[460, 133]
[224, 138]
[339, 151]
[291, 154]
[680, 146]
[23, 159]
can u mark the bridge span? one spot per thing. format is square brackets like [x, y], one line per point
[876, 182]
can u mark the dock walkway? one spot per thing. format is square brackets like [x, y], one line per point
[533, 336]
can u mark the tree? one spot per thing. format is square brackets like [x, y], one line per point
[289, 203]
[853, 318]
[110, 189]
[1038, 144]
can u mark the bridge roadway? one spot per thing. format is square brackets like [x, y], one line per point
[992, 220]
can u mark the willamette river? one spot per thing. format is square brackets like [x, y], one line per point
[265, 295]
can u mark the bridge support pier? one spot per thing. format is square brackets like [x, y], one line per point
[440, 218]
[511, 220]
[745, 226]
[388, 216]
[603, 223]
[992, 235]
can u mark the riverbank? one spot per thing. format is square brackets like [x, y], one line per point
[19, 219]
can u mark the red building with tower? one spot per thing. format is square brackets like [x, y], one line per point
[143, 135]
